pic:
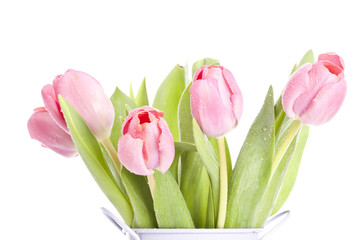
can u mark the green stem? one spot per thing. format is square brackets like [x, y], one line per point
[113, 154]
[296, 125]
[223, 183]
[151, 182]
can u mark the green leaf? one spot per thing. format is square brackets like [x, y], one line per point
[174, 168]
[307, 58]
[293, 169]
[185, 147]
[210, 162]
[252, 169]
[210, 218]
[142, 97]
[114, 173]
[89, 150]
[195, 186]
[271, 192]
[140, 198]
[170, 207]
[206, 61]
[131, 93]
[119, 100]
[168, 96]
[195, 182]
[185, 117]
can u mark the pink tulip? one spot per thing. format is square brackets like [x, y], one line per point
[216, 100]
[316, 91]
[146, 143]
[87, 96]
[43, 128]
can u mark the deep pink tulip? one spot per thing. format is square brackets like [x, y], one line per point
[43, 128]
[216, 100]
[87, 96]
[316, 91]
[146, 143]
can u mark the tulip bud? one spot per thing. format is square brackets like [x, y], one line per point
[87, 96]
[316, 91]
[43, 128]
[146, 143]
[216, 100]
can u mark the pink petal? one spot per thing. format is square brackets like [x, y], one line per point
[166, 147]
[154, 113]
[87, 96]
[236, 98]
[130, 153]
[214, 72]
[52, 105]
[214, 116]
[333, 58]
[318, 77]
[43, 128]
[150, 135]
[326, 103]
[199, 73]
[297, 85]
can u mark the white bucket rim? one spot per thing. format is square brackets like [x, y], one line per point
[270, 226]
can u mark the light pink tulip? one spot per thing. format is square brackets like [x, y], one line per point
[316, 91]
[87, 96]
[43, 128]
[216, 100]
[146, 143]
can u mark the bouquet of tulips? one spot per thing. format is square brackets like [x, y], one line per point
[168, 165]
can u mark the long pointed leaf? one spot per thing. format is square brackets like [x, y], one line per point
[307, 58]
[271, 192]
[113, 171]
[140, 198]
[195, 186]
[90, 152]
[253, 168]
[167, 98]
[185, 117]
[170, 207]
[119, 100]
[293, 169]
[142, 97]
[210, 162]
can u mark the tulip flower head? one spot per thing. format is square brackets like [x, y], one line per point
[316, 91]
[48, 126]
[146, 142]
[216, 100]
[87, 96]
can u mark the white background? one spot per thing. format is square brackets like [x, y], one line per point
[45, 196]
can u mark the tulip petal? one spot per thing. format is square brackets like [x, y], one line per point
[236, 97]
[43, 128]
[87, 96]
[333, 58]
[213, 115]
[318, 77]
[296, 86]
[53, 107]
[326, 103]
[150, 136]
[130, 153]
[166, 147]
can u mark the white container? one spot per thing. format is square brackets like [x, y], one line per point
[199, 233]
